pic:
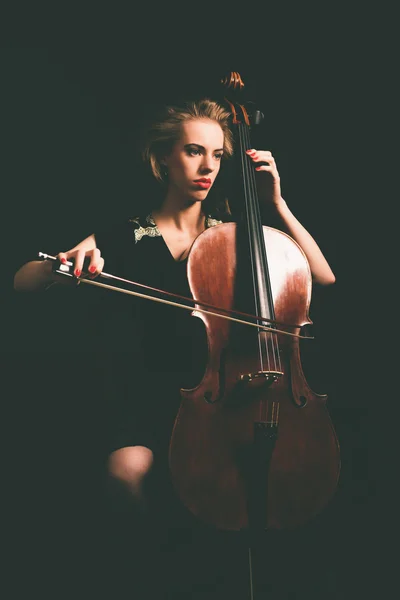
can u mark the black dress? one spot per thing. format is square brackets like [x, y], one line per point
[152, 349]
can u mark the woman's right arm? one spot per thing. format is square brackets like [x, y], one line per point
[36, 275]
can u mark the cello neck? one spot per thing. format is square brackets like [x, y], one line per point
[252, 223]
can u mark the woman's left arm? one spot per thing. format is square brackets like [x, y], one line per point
[269, 193]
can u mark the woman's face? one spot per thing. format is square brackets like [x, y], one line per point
[195, 160]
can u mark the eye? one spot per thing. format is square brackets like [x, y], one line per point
[193, 151]
[218, 156]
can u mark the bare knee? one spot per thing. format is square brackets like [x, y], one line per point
[130, 465]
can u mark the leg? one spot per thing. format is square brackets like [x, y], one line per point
[133, 542]
[127, 470]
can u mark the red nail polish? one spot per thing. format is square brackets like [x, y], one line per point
[63, 260]
[92, 269]
[77, 272]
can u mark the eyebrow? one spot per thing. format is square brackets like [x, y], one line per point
[202, 147]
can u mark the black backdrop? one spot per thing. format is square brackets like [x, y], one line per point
[75, 89]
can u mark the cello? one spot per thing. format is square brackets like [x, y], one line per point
[252, 446]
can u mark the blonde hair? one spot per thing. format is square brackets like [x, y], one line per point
[163, 133]
[166, 130]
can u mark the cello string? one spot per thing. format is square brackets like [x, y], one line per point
[255, 228]
[245, 165]
[257, 231]
[252, 230]
[273, 339]
[267, 340]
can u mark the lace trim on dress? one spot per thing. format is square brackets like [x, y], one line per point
[152, 230]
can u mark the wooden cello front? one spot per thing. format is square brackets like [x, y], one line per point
[252, 444]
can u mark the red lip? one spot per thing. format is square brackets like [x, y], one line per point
[204, 185]
[203, 180]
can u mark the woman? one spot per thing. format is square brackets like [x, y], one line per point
[186, 149]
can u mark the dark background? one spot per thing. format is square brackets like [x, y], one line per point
[76, 86]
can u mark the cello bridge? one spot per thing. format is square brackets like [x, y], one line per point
[268, 377]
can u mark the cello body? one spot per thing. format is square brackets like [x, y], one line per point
[222, 465]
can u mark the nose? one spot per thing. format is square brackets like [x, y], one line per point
[207, 164]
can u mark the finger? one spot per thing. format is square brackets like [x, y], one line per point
[79, 260]
[264, 158]
[91, 260]
[96, 265]
[267, 168]
[63, 257]
[257, 153]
